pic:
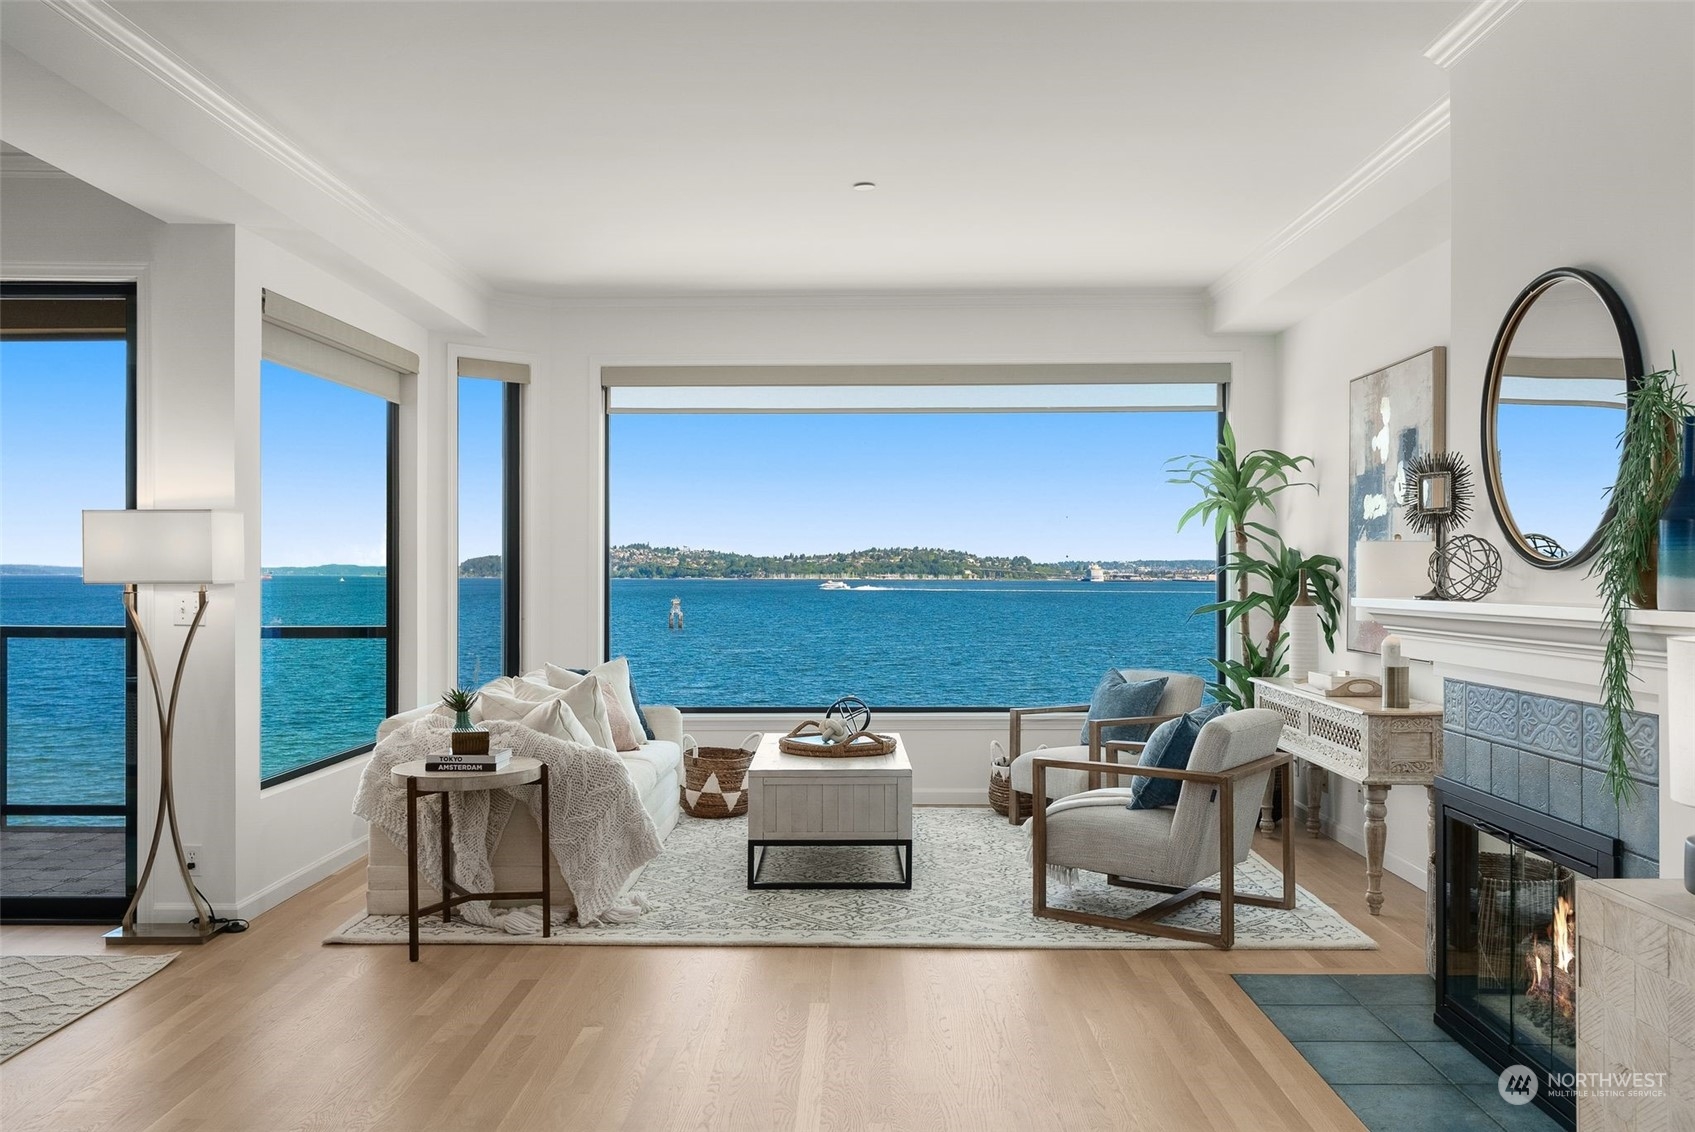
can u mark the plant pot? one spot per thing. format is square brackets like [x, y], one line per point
[1677, 534]
[470, 742]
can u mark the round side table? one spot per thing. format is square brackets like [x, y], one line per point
[447, 783]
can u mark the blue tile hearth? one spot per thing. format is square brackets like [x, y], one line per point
[1404, 1074]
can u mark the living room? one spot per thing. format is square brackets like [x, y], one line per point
[1268, 203]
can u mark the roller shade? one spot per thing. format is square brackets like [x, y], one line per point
[1128, 373]
[513, 373]
[912, 398]
[70, 316]
[311, 341]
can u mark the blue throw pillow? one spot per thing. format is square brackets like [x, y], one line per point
[1116, 698]
[1169, 746]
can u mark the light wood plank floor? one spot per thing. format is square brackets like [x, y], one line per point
[272, 1030]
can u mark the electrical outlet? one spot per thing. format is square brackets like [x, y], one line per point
[187, 606]
[192, 853]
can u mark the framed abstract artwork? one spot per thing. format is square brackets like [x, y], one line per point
[1394, 414]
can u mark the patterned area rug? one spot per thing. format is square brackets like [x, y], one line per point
[43, 993]
[971, 888]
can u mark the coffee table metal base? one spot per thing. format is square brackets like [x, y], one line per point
[756, 862]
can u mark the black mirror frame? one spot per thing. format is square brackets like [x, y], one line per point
[1631, 348]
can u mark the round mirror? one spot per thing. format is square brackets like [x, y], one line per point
[1558, 385]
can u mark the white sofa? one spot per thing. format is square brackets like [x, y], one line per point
[655, 769]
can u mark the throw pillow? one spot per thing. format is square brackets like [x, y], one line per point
[615, 672]
[624, 736]
[1169, 746]
[550, 716]
[589, 706]
[1116, 698]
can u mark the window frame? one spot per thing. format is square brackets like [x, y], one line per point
[1220, 635]
[511, 525]
[81, 909]
[389, 633]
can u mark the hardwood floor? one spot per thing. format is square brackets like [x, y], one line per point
[273, 1030]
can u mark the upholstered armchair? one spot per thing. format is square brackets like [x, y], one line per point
[1183, 693]
[1173, 848]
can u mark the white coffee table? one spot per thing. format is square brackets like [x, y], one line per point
[795, 800]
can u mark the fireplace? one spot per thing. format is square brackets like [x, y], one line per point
[1506, 924]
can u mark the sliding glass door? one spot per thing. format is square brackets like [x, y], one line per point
[67, 659]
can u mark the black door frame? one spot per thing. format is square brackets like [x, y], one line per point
[86, 909]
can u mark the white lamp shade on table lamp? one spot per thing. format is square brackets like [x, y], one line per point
[162, 547]
[1395, 568]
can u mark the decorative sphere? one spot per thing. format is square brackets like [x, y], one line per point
[852, 711]
[1469, 570]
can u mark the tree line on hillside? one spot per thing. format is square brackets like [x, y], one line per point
[640, 560]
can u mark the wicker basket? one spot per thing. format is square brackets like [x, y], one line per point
[1000, 792]
[714, 778]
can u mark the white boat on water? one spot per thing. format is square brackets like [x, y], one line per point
[833, 584]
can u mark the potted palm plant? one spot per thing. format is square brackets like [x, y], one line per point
[1236, 494]
[468, 738]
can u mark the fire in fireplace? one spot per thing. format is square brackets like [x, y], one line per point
[1507, 965]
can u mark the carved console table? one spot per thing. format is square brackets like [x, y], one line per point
[1362, 741]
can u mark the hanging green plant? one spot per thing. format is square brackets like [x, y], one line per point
[1266, 572]
[1648, 471]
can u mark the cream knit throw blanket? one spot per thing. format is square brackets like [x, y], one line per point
[599, 833]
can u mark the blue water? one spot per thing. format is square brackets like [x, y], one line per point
[902, 644]
[746, 644]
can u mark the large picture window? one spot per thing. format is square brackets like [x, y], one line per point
[329, 409]
[949, 547]
[490, 426]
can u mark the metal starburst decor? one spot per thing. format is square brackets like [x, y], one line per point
[1436, 493]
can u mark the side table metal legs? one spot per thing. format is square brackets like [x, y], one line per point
[412, 868]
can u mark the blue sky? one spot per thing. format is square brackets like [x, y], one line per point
[61, 445]
[1047, 485]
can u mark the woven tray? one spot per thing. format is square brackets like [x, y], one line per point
[809, 744]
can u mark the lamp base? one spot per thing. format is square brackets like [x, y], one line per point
[175, 934]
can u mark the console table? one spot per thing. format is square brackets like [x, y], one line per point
[1364, 742]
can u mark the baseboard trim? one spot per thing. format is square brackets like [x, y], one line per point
[279, 890]
[943, 796]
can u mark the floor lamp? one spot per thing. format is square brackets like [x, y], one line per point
[181, 548]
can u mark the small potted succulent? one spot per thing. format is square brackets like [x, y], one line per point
[468, 738]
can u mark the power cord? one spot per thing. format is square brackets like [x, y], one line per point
[229, 925]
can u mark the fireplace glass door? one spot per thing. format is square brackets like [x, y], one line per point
[1512, 944]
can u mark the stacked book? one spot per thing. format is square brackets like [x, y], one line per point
[467, 764]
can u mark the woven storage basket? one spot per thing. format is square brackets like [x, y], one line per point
[1000, 790]
[715, 778]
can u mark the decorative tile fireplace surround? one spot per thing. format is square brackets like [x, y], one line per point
[1545, 753]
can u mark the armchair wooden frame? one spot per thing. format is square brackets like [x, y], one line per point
[1015, 741]
[1148, 920]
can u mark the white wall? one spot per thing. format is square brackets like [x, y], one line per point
[1401, 314]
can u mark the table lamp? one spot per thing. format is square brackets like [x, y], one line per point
[163, 547]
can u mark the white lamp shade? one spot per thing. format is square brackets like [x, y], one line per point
[162, 547]
[1395, 568]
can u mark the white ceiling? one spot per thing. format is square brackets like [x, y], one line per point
[679, 147]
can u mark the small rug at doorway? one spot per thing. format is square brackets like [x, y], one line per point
[43, 993]
[971, 888]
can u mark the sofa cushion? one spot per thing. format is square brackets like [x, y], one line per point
[615, 672]
[663, 755]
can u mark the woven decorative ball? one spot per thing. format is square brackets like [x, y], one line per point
[1469, 571]
[852, 711]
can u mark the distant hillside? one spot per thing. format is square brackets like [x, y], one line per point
[488, 566]
[19, 568]
[639, 560]
[340, 569]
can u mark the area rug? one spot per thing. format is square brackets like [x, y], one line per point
[43, 993]
[971, 888]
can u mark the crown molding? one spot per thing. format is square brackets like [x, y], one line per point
[28, 165]
[1468, 31]
[1164, 298]
[1427, 127]
[100, 21]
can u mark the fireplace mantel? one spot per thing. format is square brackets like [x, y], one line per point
[1556, 650]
